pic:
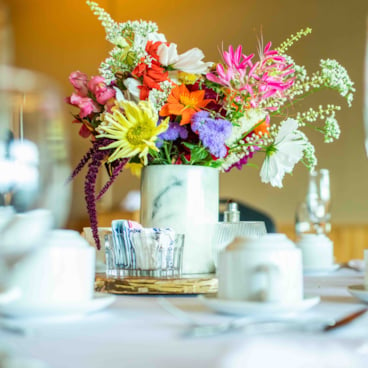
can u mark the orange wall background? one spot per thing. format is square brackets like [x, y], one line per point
[58, 37]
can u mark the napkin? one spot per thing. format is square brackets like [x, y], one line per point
[291, 352]
[142, 248]
[153, 248]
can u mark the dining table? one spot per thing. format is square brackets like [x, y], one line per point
[139, 331]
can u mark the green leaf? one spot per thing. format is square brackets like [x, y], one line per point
[189, 145]
[216, 164]
[198, 154]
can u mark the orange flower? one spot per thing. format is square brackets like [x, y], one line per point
[182, 102]
[263, 128]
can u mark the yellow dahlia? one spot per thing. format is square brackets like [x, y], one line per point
[134, 129]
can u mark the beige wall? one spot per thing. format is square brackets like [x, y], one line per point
[58, 37]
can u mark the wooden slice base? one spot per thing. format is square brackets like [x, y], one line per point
[186, 284]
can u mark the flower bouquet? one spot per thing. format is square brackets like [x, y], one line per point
[152, 105]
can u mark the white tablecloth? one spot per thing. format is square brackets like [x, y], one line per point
[136, 332]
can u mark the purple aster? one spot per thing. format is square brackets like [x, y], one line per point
[212, 132]
[198, 119]
[173, 132]
[224, 127]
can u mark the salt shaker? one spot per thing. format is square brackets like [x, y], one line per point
[232, 214]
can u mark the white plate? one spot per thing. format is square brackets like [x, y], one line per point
[359, 291]
[99, 301]
[257, 308]
[315, 271]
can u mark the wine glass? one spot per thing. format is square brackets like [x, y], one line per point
[318, 200]
[303, 223]
[33, 166]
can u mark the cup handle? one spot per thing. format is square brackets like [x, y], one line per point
[272, 277]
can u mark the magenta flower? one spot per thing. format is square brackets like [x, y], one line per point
[223, 77]
[257, 82]
[235, 68]
[270, 76]
[99, 88]
[79, 82]
[236, 60]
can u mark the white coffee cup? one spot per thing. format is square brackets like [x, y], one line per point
[61, 271]
[264, 269]
[317, 251]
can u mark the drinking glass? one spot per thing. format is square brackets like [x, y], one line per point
[33, 164]
[318, 200]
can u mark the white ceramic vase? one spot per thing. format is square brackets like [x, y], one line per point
[185, 198]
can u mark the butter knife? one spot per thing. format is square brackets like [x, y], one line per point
[249, 325]
[345, 320]
[269, 326]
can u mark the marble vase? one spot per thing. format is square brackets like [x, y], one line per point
[185, 198]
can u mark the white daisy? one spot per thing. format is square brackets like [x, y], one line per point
[189, 62]
[284, 153]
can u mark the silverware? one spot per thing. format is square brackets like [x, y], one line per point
[345, 320]
[250, 325]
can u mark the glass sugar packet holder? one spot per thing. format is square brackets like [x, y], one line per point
[144, 253]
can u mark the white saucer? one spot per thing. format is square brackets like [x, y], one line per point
[17, 309]
[315, 271]
[359, 291]
[257, 308]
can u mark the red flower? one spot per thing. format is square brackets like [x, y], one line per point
[152, 47]
[151, 77]
[179, 161]
[86, 129]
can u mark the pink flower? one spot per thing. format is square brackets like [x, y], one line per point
[104, 95]
[79, 82]
[99, 88]
[87, 105]
[95, 83]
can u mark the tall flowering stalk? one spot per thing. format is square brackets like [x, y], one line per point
[151, 104]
